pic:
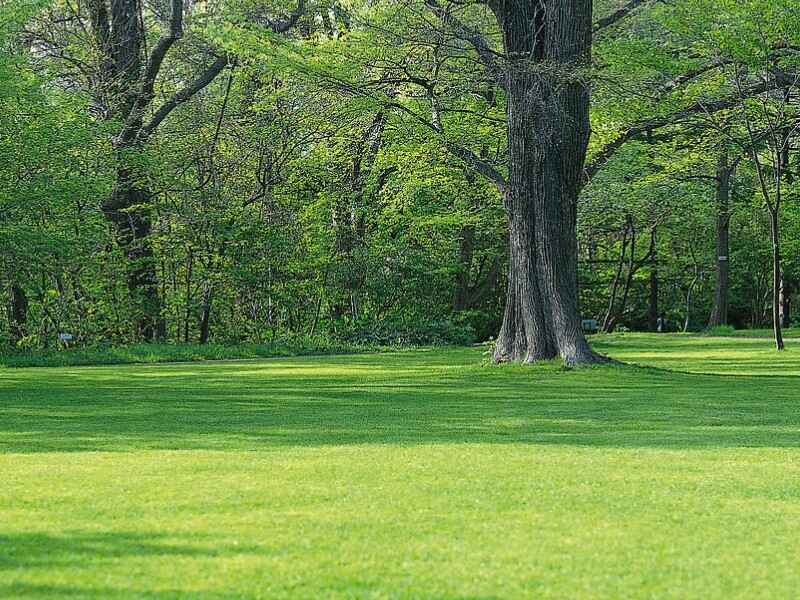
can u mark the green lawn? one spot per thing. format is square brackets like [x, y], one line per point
[792, 332]
[419, 474]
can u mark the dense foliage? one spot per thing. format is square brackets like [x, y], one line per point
[323, 170]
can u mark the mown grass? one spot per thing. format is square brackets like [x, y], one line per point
[420, 474]
[789, 332]
[765, 333]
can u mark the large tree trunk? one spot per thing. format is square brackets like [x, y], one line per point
[719, 314]
[525, 335]
[127, 210]
[548, 132]
[121, 40]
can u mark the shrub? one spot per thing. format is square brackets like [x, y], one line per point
[721, 330]
[418, 332]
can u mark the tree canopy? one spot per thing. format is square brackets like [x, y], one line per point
[413, 170]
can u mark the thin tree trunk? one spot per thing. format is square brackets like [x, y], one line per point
[465, 250]
[689, 293]
[188, 312]
[719, 313]
[632, 268]
[205, 313]
[653, 311]
[786, 303]
[612, 300]
[776, 277]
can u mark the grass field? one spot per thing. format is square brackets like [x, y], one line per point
[421, 474]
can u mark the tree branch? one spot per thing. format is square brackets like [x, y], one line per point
[478, 165]
[147, 81]
[618, 15]
[691, 75]
[700, 107]
[159, 51]
[487, 56]
[183, 95]
[284, 25]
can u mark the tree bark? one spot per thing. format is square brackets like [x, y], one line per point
[525, 335]
[719, 313]
[547, 114]
[127, 210]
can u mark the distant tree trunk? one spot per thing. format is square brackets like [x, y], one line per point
[653, 311]
[632, 268]
[786, 303]
[719, 313]
[614, 314]
[465, 250]
[188, 295]
[547, 112]
[125, 86]
[205, 313]
[776, 276]
[127, 210]
[689, 295]
[608, 320]
[778, 136]
[18, 311]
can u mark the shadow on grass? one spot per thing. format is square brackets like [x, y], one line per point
[76, 549]
[22, 590]
[407, 399]
[22, 554]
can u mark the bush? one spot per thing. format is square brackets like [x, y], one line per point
[159, 353]
[362, 337]
[721, 330]
[419, 332]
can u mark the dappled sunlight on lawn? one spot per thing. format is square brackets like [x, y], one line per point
[414, 398]
[418, 474]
